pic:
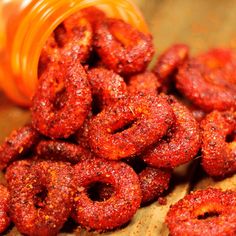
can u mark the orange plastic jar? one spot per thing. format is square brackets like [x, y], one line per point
[25, 25]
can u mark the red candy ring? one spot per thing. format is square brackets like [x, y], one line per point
[219, 154]
[107, 86]
[62, 100]
[40, 196]
[204, 212]
[146, 83]
[170, 60]
[153, 183]
[74, 37]
[93, 14]
[181, 143]
[209, 80]
[122, 47]
[4, 208]
[62, 151]
[119, 208]
[148, 116]
[17, 144]
[50, 54]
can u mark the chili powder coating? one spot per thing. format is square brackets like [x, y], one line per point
[81, 136]
[146, 83]
[197, 112]
[71, 39]
[153, 183]
[204, 212]
[92, 14]
[62, 100]
[4, 208]
[62, 151]
[17, 144]
[170, 60]
[130, 126]
[218, 153]
[180, 144]
[107, 86]
[41, 195]
[122, 47]
[49, 54]
[209, 80]
[119, 208]
[74, 37]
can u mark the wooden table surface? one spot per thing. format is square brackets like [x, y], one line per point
[201, 24]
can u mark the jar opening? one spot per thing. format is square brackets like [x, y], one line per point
[42, 17]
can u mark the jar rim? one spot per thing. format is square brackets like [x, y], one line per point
[42, 17]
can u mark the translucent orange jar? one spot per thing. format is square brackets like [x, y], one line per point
[25, 25]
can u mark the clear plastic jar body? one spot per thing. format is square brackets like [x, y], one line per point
[25, 25]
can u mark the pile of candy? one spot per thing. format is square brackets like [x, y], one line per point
[106, 133]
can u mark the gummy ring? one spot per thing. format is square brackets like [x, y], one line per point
[146, 83]
[107, 86]
[122, 47]
[209, 80]
[62, 100]
[4, 208]
[71, 39]
[57, 150]
[17, 144]
[129, 126]
[119, 208]
[204, 212]
[81, 136]
[218, 153]
[170, 60]
[92, 14]
[197, 112]
[74, 37]
[41, 196]
[180, 144]
[153, 183]
[50, 54]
